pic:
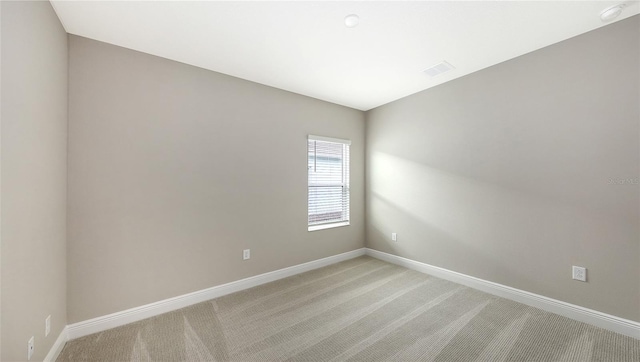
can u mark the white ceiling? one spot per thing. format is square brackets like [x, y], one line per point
[304, 47]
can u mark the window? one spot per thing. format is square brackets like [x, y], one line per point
[328, 170]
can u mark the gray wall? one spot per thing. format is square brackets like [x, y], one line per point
[173, 170]
[505, 174]
[34, 177]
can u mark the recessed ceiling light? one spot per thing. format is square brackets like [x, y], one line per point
[351, 21]
[611, 13]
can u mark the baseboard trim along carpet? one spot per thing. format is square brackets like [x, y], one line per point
[57, 347]
[99, 324]
[590, 316]
[113, 320]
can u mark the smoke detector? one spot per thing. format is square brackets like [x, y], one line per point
[612, 12]
[351, 21]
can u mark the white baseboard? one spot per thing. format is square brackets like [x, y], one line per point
[57, 347]
[590, 316]
[113, 320]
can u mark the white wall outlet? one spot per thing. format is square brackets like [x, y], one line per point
[31, 347]
[246, 254]
[394, 237]
[579, 273]
[47, 326]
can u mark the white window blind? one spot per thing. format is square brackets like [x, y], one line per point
[328, 169]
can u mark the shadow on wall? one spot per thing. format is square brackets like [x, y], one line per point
[492, 232]
[440, 245]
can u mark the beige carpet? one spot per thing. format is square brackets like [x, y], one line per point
[359, 310]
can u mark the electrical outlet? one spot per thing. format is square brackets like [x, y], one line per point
[246, 254]
[394, 237]
[31, 347]
[579, 273]
[47, 326]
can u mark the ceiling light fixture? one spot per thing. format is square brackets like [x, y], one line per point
[351, 21]
[612, 12]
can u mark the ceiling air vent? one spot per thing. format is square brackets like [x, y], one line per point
[438, 69]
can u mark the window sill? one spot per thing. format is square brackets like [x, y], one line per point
[328, 226]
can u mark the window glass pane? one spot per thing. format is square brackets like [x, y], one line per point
[328, 171]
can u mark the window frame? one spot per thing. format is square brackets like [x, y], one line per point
[345, 184]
